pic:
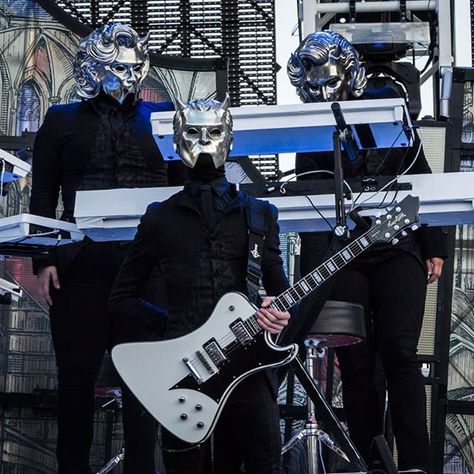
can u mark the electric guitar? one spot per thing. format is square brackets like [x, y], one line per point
[185, 382]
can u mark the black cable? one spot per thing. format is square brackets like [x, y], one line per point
[319, 212]
[379, 166]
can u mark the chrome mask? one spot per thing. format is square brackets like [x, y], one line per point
[326, 68]
[114, 59]
[125, 75]
[203, 127]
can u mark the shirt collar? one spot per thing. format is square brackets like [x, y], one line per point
[219, 185]
[105, 105]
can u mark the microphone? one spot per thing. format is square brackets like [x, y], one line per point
[345, 132]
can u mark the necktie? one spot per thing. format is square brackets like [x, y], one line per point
[207, 205]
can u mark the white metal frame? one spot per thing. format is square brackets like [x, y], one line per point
[314, 14]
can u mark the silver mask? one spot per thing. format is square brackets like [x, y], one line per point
[203, 127]
[326, 68]
[114, 59]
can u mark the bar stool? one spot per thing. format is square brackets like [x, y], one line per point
[339, 324]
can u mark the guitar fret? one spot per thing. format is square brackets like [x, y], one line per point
[330, 266]
[299, 290]
[278, 304]
[288, 297]
[307, 279]
[338, 260]
[293, 293]
[324, 272]
[305, 286]
[347, 254]
[355, 248]
[317, 277]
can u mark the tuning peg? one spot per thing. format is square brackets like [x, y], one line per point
[387, 235]
[414, 227]
[404, 234]
[378, 221]
[396, 227]
[395, 241]
[398, 208]
[388, 216]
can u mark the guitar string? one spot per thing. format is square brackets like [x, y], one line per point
[230, 337]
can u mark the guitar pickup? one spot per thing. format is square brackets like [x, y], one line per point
[205, 362]
[241, 333]
[214, 351]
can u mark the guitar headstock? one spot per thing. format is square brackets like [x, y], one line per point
[402, 216]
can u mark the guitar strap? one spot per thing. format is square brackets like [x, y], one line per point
[257, 212]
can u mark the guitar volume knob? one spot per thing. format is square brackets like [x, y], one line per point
[183, 416]
[200, 424]
[181, 399]
[198, 407]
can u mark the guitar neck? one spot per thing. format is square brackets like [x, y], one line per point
[320, 274]
[293, 295]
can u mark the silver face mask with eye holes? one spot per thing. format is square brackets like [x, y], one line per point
[113, 59]
[326, 82]
[125, 75]
[326, 68]
[203, 127]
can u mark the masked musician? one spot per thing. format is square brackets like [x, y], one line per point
[102, 142]
[200, 240]
[389, 281]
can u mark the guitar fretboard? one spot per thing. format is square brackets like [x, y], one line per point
[314, 279]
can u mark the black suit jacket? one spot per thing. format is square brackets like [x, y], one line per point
[62, 149]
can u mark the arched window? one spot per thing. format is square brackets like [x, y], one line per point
[28, 108]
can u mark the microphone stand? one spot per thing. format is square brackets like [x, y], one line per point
[344, 447]
[341, 137]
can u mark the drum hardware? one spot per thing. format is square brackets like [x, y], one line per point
[338, 324]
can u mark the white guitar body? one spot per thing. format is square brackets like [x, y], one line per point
[188, 397]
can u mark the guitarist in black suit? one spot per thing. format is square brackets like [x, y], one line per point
[199, 238]
[102, 142]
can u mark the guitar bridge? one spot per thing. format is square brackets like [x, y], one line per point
[192, 370]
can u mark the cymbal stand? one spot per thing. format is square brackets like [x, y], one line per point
[311, 433]
[113, 462]
[118, 458]
[342, 445]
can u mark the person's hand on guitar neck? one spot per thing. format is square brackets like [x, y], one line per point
[271, 319]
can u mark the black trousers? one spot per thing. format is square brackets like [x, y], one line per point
[81, 331]
[391, 286]
[248, 433]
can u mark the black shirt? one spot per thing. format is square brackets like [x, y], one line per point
[91, 145]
